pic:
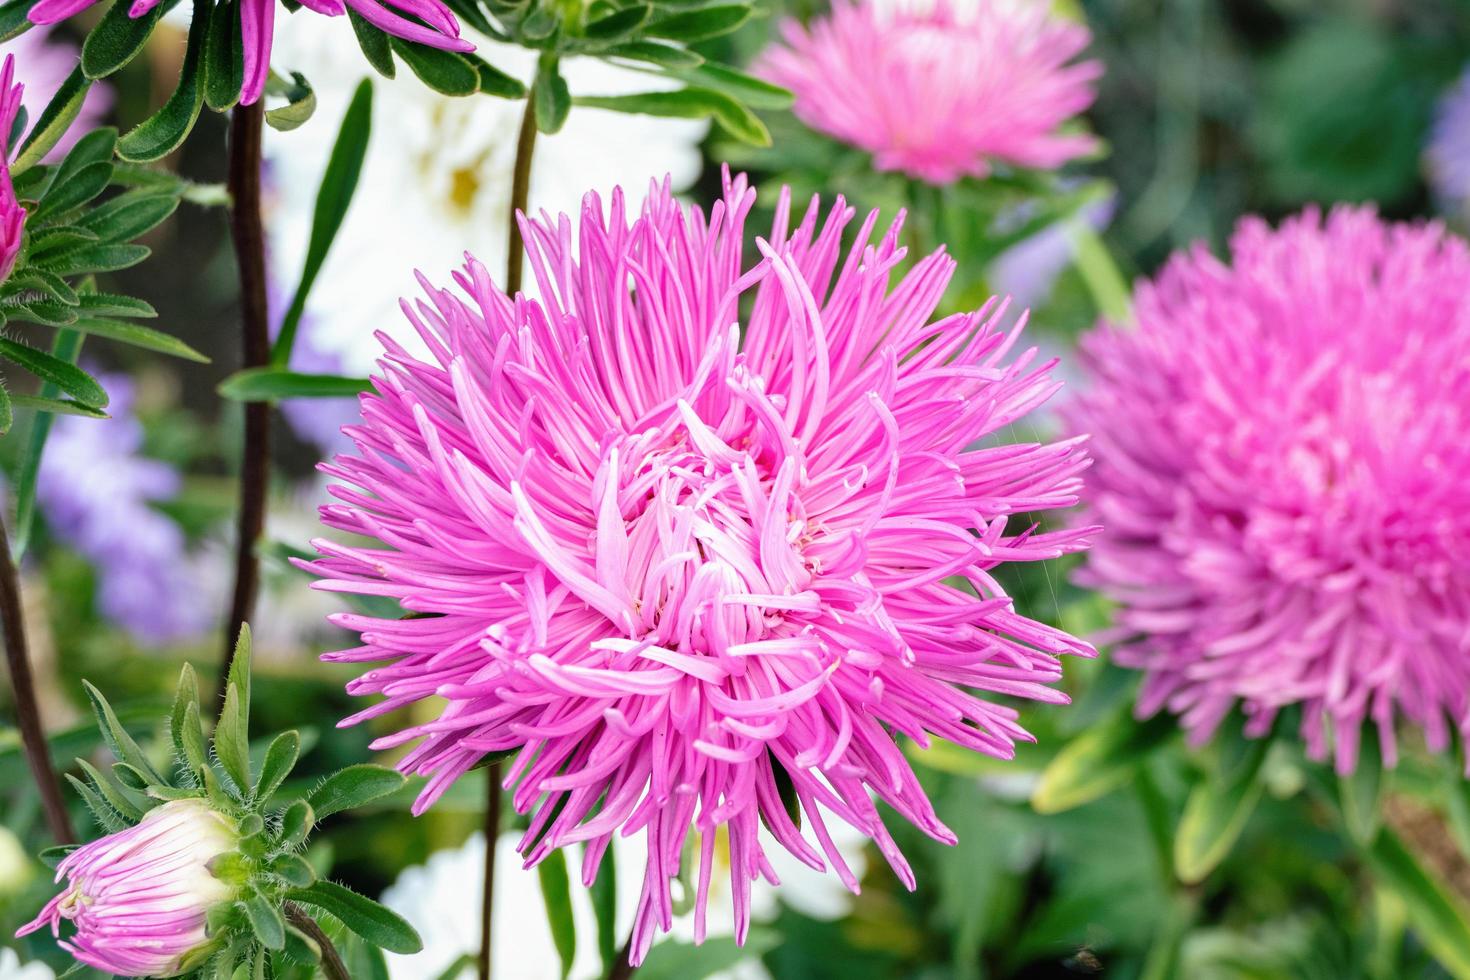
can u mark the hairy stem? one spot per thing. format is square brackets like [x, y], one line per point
[27, 710]
[520, 191]
[249, 238]
[332, 965]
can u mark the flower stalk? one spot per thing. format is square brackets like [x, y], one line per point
[249, 237]
[27, 708]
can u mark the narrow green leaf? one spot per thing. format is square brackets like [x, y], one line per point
[129, 215]
[94, 147]
[701, 24]
[280, 759]
[269, 384]
[57, 406]
[7, 414]
[293, 869]
[232, 731]
[117, 738]
[68, 377]
[445, 72]
[108, 818]
[1359, 791]
[333, 198]
[224, 66]
[655, 53]
[111, 304]
[749, 90]
[604, 894]
[1441, 920]
[1215, 814]
[301, 948]
[619, 23]
[131, 777]
[15, 18]
[117, 38]
[552, 99]
[1098, 761]
[374, 43]
[296, 823]
[136, 335]
[53, 121]
[191, 738]
[111, 793]
[98, 258]
[365, 917]
[556, 894]
[495, 82]
[65, 347]
[352, 787]
[266, 922]
[161, 133]
[687, 103]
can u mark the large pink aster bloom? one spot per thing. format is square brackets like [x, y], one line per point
[1285, 480]
[433, 24]
[12, 215]
[941, 89]
[695, 568]
[137, 900]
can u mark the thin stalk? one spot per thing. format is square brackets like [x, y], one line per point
[520, 192]
[27, 710]
[249, 236]
[331, 964]
[623, 968]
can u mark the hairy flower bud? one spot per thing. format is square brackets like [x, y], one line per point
[137, 899]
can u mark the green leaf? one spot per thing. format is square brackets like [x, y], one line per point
[266, 922]
[232, 732]
[296, 823]
[552, 99]
[749, 90]
[192, 736]
[224, 67]
[604, 894]
[94, 147]
[280, 759]
[333, 198]
[1215, 814]
[161, 133]
[373, 922]
[301, 948]
[108, 818]
[116, 737]
[672, 960]
[293, 869]
[688, 103]
[299, 107]
[619, 23]
[15, 18]
[67, 377]
[495, 82]
[445, 72]
[117, 38]
[54, 121]
[269, 384]
[112, 304]
[655, 53]
[57, 406]
[375, 45]
[65, 347]
[1441, 920]
[1359, 791]
[111, 793]
[129, 215]
[1098, 761]
[7, 415]
[701, 24]
[136, 335]
[130, 777]
[556, 893]
[352, 787]
[98, 258]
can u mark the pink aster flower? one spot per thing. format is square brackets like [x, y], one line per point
[1285, 481]
[698, 567]
[941, 89]
[425, 21]
[12, 215]
[137, 899]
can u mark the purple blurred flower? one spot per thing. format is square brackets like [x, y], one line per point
[1448, 152]
[683, 531]
[137, 900]
[1283, 473]
[1028, 270]
[95, 490]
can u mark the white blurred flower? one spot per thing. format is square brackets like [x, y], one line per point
[437, 177]
[11, 967]
[441, 899]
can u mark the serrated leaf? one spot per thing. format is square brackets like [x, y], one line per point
[374, 44]
[117, 38]
[1441, 920]
[161, 133]
[552, 100]
[232, 731]
[269, 384]
[1098, 761]
[655, 53]
[556, 895]
[701, 24]
[334, 196]
[445, 72]
[111, 793]
[1215, 813]
[117, 738]
[300, 104]
[280, 759]
[266, 922]
[363, 916]
[67, 377]
[353, 787]
[107, 818]
[224, 66]
[54, 121]
[65, 347]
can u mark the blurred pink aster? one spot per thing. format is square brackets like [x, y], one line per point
[944, 89]
[1284, 477]
[696, 570]
[136, 902]
[428, 22]
[12, 215]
